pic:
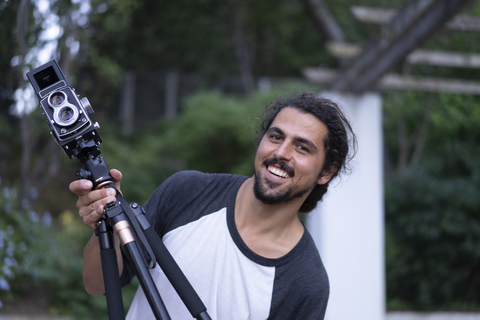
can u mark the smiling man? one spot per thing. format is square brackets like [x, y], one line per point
[238, 239]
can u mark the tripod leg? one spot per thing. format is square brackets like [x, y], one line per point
[113, 290]
[147, 283]
[122, 229]
[168, 264]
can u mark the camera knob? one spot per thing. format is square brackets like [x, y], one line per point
[83, 174]
[86, 104]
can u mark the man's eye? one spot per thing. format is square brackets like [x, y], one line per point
[303, 148]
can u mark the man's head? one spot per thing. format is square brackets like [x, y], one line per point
[336, 138]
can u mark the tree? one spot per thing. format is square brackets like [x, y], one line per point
[432, 204]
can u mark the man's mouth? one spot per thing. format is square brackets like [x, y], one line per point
[278, 172]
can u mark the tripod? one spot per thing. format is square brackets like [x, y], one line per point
[141, 243]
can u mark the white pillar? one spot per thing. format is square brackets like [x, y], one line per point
[348, 225]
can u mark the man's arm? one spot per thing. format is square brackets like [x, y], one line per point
[90, 206]
[92, 266]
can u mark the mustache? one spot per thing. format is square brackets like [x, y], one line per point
[282, 165]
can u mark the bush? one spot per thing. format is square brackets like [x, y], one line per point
[432, 220]
[434, 262]
[39, 254]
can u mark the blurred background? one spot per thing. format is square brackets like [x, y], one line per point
[181, 84]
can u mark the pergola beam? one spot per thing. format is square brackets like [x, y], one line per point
[461, 22]
[410, 27]
[325, 23]
[324, 20]
[397, 82]
[444, 59]
[435, 58]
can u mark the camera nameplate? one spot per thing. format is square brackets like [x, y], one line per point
[56, 86]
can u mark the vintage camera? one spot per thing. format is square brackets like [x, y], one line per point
[67, 116]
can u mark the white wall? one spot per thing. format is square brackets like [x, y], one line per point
[348, 225]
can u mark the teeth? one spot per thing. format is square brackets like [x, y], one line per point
[278, 172]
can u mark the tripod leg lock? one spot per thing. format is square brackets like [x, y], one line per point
[140, 215]
[122, 229]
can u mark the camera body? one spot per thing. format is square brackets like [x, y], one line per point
[67, 115]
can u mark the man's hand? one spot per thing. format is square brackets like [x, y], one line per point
[90, 203]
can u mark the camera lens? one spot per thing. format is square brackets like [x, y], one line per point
[57, 98]
[66, 114]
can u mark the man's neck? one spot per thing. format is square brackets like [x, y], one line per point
[270, 231]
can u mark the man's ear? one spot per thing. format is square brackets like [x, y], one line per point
[327, 174]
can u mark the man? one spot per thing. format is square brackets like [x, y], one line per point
[239, 240]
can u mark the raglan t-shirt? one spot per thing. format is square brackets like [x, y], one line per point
[194, 214]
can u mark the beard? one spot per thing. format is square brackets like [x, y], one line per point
[263, 188]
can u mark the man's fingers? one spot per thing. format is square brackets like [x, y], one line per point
[91, 219]
[117, 175]
[81, 187]
[92, 212]
[90, 202]
[95, 198]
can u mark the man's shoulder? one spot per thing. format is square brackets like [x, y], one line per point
[189, 195]
[191, 184]
[190, 177]
[304, 261]
[302, 287]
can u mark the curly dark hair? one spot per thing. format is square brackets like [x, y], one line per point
[337, 142]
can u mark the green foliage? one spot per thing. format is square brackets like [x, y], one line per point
[213, 133]
[195, 36]
[403, 110]
[40, 254]
[11, 248]
[141, 160]
[8, 49]
[434, 260]
[432, 221]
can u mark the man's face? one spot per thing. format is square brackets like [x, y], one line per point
[290, 157]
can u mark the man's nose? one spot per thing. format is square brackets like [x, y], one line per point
[284, 151]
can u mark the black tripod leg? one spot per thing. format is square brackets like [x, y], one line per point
[113, 290]
[124, 233]
[146, 282]
[169, 266]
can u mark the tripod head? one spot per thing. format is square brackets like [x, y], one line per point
[95, 170]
